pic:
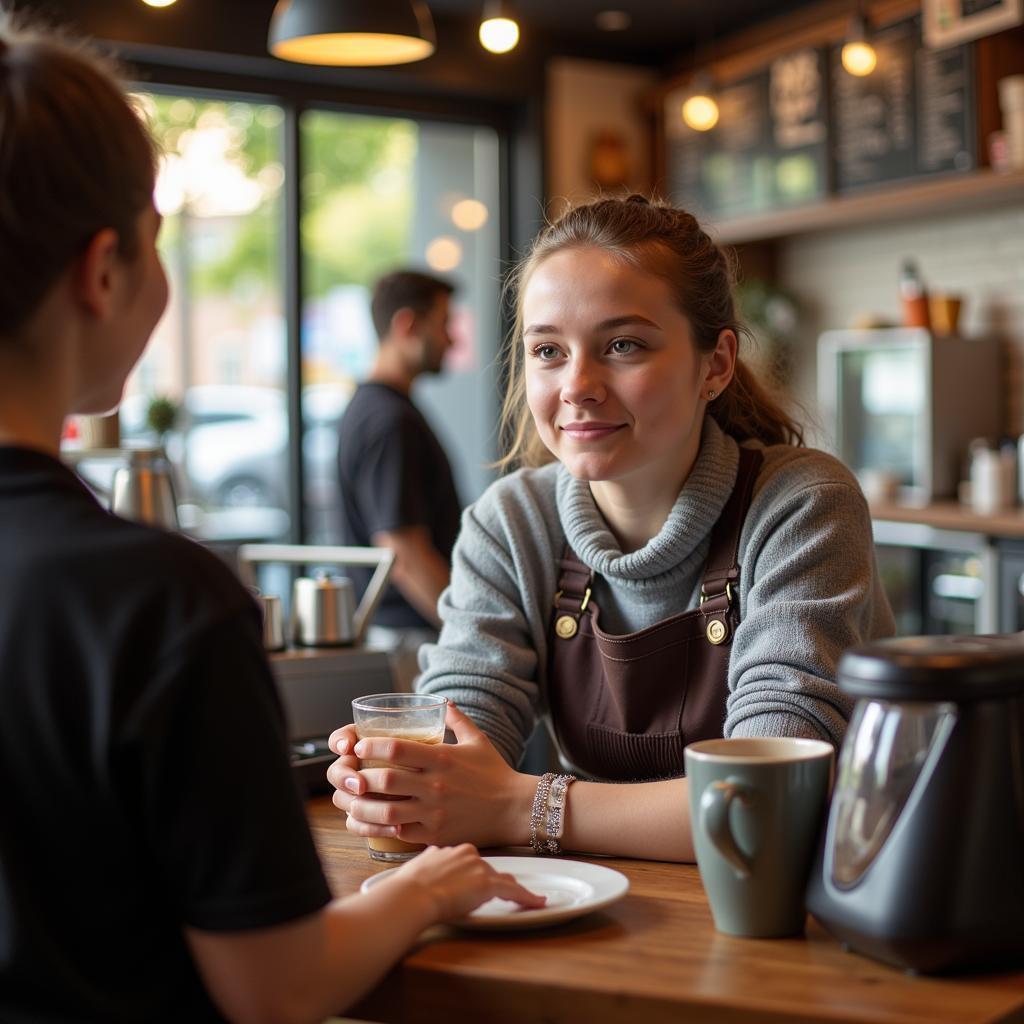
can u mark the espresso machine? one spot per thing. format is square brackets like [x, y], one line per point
[922, 862]
[320, 661]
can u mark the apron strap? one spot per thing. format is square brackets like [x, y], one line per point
[574, 582]
[721, 571]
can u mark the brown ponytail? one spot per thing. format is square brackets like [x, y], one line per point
[75, 158]
[668, 242]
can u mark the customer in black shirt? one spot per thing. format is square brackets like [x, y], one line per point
[397, 489]
[142, 876]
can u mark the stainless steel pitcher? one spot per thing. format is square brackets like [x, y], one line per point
[143, 489]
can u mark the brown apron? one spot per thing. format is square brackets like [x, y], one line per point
[625, 706]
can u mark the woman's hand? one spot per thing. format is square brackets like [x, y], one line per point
[441, 794]
[457, 880]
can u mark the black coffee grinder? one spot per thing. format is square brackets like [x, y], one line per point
[922, 862]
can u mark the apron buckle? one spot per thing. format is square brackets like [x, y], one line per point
[704, 596]
[566, 625]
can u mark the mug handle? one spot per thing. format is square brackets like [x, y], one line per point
[715, 802]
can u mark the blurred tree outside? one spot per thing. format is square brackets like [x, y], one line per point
[220, 158]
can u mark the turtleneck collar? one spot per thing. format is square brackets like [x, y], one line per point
[677, 547]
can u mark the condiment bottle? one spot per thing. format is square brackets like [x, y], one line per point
[914, 297]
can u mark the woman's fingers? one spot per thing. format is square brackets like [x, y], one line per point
[344, 775]
[406, 753]
[342, 740]
[369, 831]
[463, 727]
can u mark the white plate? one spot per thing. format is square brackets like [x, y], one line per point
[572, 887]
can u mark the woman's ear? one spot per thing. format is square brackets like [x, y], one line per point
[720, 364]
[95, 275]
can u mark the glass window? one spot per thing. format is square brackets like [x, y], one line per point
[219, 354]
[381, 193]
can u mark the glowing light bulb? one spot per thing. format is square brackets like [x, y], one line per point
[499, 35]
[700, 112]
[158, 3]
[469, 214]
[859, 58]
[444, 253]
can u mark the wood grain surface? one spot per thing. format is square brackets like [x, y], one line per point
[652, 958]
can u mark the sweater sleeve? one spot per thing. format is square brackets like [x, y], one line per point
[486, 658]
[811, 590]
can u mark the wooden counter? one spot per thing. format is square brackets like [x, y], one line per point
[653, 958]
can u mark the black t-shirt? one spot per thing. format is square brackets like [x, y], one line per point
[393, 473]
[144, 778]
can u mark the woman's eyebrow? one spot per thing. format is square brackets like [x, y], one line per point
[604, 325]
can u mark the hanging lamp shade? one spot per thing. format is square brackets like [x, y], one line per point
[351, 33]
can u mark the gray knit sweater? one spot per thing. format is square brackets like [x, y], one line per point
[809, 589]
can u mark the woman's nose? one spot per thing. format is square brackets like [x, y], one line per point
[582, 383]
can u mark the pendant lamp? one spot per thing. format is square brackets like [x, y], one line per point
[700, 110]
[858, 56]
[351, 33]
[499, 29]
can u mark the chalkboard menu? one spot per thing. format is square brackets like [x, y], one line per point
[769, 147]
[912, 116]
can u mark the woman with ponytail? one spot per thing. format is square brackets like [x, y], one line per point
[668, 562]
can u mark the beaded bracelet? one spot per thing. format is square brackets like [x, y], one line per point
[547, 817]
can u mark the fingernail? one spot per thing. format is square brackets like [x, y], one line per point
[342, 746]
[359, 749]
[352, 785]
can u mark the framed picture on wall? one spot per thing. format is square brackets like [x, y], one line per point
[955, 21]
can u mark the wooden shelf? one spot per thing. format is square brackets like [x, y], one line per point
[950, 515]
[918, 198]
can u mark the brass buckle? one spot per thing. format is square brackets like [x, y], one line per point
[583, 603]
[728, 594]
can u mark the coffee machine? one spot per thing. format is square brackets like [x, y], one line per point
[922, 861]
[317, 682]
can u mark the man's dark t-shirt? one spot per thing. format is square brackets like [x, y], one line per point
[393, 473]
[144, 779]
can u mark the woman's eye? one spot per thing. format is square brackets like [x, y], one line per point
[623, 346]
[546, 352]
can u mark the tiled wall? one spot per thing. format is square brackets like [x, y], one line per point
[838, 276]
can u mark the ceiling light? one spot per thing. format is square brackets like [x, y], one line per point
[351, 33]
[700, 110]
[499, 30]
[158, 3]
[612, 21]
[858, 55]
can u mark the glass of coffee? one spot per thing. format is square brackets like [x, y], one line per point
[405, 716]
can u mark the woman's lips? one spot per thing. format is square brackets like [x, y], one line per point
[589, 431]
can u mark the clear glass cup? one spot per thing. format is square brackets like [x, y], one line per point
[407, 716]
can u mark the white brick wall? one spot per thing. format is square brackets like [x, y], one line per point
[840, 275]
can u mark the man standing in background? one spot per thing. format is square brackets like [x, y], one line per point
[397, 489]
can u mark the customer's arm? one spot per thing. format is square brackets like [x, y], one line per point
[304, 971]
[420, 571]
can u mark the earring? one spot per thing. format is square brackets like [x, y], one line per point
[712, 394]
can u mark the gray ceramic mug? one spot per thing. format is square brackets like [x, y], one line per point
[757, 807]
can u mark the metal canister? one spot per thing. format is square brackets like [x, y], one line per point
[273, 624]
[323, 610]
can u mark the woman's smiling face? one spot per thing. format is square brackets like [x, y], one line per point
[614, 381]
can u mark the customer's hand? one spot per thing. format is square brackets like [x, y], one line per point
[458, 880]
[462, 792]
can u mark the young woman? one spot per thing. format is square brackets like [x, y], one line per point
[138, 880]
[670, 565]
